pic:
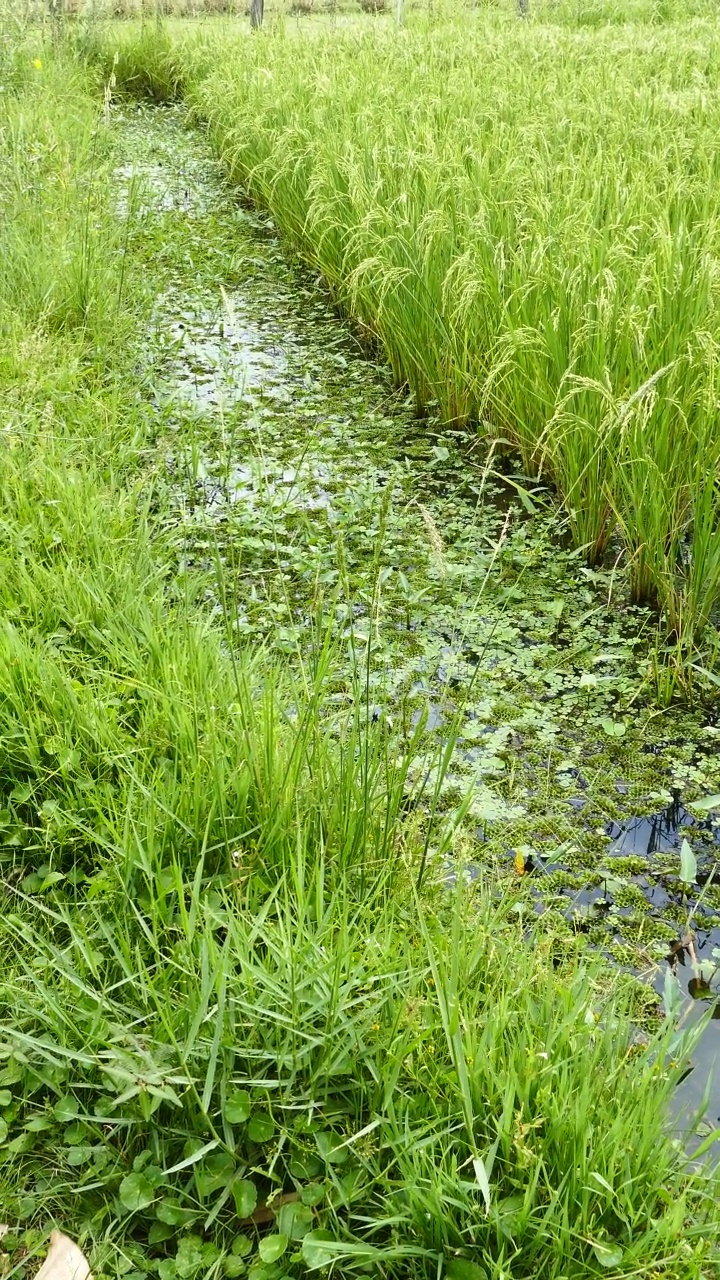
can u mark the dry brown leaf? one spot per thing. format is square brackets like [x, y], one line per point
[65, 1261]
[4, 1228]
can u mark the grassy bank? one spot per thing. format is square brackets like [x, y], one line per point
[523, 218]
[235, 1037]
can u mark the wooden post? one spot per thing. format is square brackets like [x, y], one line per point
[257, 9]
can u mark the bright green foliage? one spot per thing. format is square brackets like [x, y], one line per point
[232, 1038]
[125, 732]
[57, 254]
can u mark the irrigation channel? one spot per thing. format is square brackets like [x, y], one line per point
[290, 460]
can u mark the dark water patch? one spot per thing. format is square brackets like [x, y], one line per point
[659, 832]
[692, 956]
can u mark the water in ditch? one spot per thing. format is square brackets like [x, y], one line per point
[291, 461]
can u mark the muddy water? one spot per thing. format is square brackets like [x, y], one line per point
[292, 462]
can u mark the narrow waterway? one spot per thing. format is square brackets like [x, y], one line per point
[290, 461]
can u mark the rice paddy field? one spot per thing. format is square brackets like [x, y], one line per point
[526, 226]
[360, 547]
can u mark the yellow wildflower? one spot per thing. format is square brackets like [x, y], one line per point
[37, 63]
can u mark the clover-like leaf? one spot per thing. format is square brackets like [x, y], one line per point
[136, 1192]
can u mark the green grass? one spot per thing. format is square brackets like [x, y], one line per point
[185, 1050]
[559, 292]
[219, 984]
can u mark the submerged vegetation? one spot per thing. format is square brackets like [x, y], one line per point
[254, 1016]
